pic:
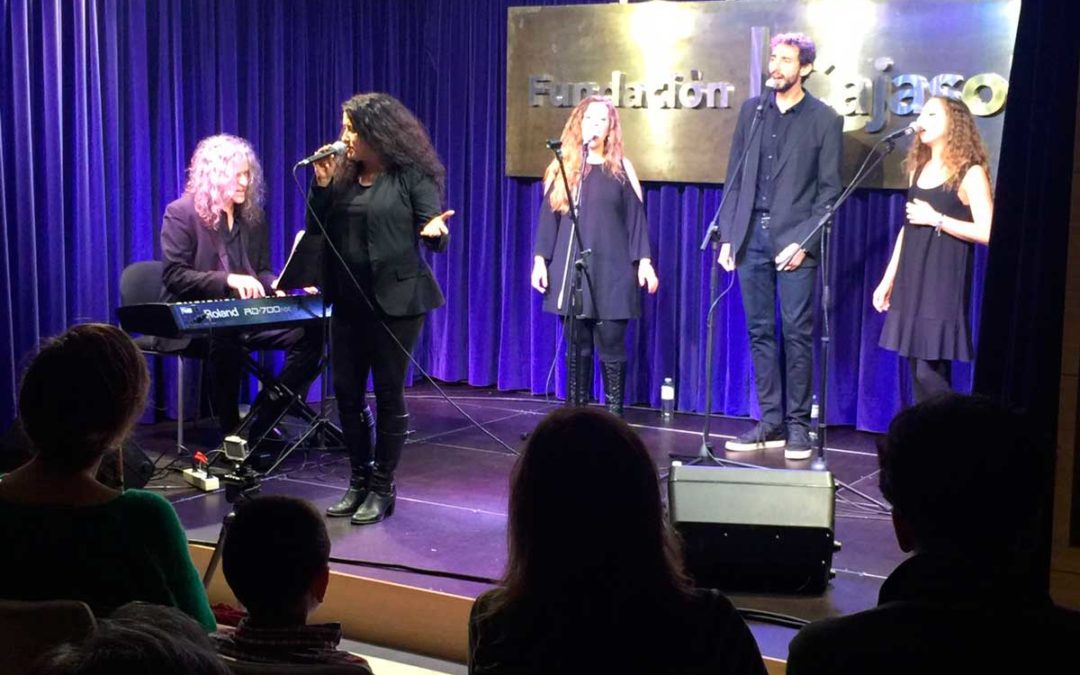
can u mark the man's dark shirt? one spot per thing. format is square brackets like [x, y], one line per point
[234, 247]
[776, 126]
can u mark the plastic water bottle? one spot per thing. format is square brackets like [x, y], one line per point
[815, 414]
[667, 399]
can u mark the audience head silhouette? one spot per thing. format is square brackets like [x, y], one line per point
[123, 648]
[967, 480]
[276, 559]
[137, 614]
[81, 394]
[963, 474]
[594, 580]
[585, 512]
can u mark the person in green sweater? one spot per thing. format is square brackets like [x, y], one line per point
[66, 535]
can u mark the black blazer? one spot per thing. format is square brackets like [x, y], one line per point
[807, 178]
[399, 206]
[195, 258]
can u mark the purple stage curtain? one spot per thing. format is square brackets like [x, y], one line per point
[103, 101]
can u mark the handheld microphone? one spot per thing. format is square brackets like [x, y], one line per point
[590, 139]
[336, 148]
[906, 131]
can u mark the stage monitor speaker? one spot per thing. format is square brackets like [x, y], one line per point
[15, 450]
[754, 529]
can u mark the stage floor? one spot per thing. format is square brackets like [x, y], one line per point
[452, 492]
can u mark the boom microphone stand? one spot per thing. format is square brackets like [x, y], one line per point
[581, 268]
[712, 236]
[824, 226]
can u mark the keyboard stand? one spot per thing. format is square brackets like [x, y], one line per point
[316, 422]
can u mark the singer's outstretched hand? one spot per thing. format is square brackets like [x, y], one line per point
[324, 168]
[539, 274]
[647, 276]
[436, 227]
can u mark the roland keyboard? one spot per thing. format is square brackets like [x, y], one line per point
[181, 319]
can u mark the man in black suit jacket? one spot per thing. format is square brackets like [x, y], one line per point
[793, 146]
[224, 252]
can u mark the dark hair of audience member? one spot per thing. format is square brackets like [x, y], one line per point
[586, 524]
[81, 394]
[965, 475]
[169, 619]
[275, 548]
[116, 649]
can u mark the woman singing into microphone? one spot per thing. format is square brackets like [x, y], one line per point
[927, 285]
[613, 227]
[378, 205]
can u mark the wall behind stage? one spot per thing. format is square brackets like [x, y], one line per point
[102, 102]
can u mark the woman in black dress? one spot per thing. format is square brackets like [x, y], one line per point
[927, 285]
[613, 227]
[377, 204]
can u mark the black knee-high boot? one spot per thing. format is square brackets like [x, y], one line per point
[614, 384]
[572, 377]
[585, 381]
[579, 376]
[361, 440]
[382, 495]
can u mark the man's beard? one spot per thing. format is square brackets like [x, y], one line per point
[783, 84]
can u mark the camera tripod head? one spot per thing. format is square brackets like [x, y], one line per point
[242, 482]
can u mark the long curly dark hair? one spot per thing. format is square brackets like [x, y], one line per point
[964, 147]
[401, 140]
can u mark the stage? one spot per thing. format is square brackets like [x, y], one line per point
[452, 492]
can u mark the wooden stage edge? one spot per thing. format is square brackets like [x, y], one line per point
[405, 618]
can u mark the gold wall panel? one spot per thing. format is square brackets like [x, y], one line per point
[680, 71]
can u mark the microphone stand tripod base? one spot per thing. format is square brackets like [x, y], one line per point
[704, 454]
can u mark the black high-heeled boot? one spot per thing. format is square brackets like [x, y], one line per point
[382, 493]
[360, 435]
[614, 385]
[585, 381]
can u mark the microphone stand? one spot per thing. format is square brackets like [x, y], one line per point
[711, 236]
[824, 226]
[581, 268]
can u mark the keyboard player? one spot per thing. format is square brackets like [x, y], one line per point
[215, 244]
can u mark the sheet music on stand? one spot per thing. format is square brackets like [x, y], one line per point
[303, 268]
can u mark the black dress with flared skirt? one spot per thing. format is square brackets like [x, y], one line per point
[928, 314]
